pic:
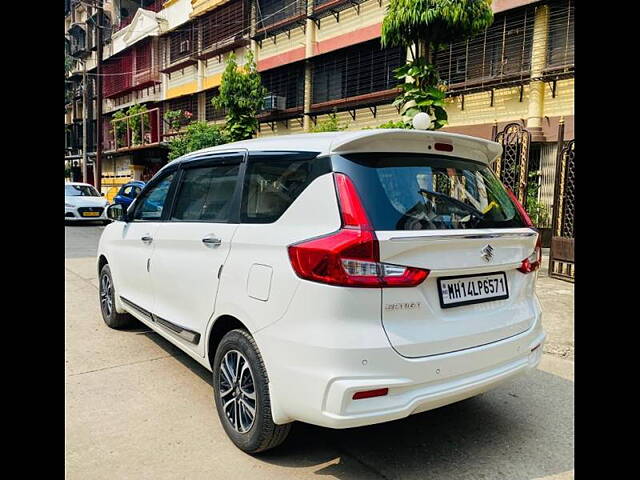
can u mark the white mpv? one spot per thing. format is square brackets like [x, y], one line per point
[340, 279]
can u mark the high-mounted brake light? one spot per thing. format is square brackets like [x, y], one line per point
[444, 147]
[350, 257]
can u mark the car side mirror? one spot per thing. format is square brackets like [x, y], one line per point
[116, 212]
[102, 193]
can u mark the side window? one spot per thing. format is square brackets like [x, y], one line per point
[271, 185]
[135, 192]
[149, 207]
[206, 194]
[126, 191]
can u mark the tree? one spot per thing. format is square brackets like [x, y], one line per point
[241, 96]
[196, 136]
[423, 26]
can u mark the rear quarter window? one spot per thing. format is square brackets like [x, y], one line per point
[274, 180]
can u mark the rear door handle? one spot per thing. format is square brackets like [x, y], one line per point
[211, 241]
[146, 239]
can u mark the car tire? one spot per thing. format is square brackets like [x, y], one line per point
[239, 352]
[107, 296]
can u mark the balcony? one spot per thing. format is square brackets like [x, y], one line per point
[133, 132]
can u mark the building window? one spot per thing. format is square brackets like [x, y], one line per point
[560, 51]
[501, 51]
[271, 12]
[286, 81]
[212, 113]
[220, 26]
[357, 70]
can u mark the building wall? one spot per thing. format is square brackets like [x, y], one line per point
[471, 112]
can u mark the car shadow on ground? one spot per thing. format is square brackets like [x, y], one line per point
[521, 430]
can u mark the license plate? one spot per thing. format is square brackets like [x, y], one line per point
[469, 289]
[91, 214]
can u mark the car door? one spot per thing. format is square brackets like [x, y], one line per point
[132, 248]
[191, 247]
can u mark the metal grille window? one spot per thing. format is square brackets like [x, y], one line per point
[286, 81]
[271, 12]
[181, 43]
[356, 70]
[188, 103]
[502, 51]
[560, 50]
[220, 26]
[131, 70]
[211, 112]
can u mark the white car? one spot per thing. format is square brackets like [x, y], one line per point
[340, 279]
[83, 202]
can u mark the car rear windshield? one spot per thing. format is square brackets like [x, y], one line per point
[429, 192]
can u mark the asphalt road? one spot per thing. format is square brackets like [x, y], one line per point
[138, 408]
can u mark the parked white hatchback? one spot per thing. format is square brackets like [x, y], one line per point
[83, 202]
[340, 279]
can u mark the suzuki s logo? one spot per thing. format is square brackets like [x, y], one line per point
[487, 253]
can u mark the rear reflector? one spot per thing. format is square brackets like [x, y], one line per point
[443, 147]
[379, 392]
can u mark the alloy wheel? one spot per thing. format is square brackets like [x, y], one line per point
[106, 295]
[237, 391]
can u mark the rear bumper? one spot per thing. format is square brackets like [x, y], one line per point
[408, 396]
[315, 384]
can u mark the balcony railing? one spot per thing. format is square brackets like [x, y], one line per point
[124, 134]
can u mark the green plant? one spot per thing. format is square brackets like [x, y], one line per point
[241, 96]
[136, 122]
[196, 136]
[177, 119]
[538, 212]
[422, 91]
[423, 26]
[330, 124]
[119, 129]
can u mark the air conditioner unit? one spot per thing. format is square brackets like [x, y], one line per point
[273, 102]
[184, 46]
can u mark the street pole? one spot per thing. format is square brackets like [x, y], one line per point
[84, 121]
[97, 168]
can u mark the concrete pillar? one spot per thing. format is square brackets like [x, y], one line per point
[535, 111]
[309, 43]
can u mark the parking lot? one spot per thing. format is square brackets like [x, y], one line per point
[136, 408]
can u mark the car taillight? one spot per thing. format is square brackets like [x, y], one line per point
[533, 261]
[523, 213]
[350, 257]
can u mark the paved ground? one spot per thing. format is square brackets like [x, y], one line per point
[137, 408]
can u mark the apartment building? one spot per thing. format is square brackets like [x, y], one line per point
[317, 57]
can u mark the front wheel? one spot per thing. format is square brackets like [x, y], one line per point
[241, 392]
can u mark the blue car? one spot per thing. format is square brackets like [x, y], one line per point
[128, 192]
